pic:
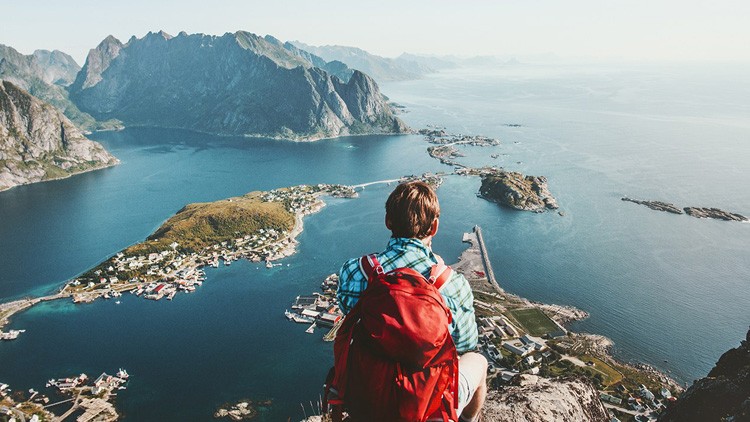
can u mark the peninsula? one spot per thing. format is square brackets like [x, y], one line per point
[536, 365]
[256, 226]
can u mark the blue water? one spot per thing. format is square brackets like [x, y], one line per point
[663, 287]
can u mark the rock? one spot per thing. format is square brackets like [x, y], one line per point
[724, 395]
[44, 75]
[656, 205]
[234, 84]
[714, 213]
[537, 399]
[528, 193]
[37, 142]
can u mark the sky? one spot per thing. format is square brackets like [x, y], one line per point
[694, 30]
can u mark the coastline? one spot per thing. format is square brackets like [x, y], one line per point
[577, 348]
[257, 135]
[283, 246]
[94, 168]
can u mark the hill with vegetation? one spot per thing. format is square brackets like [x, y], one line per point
[200, 225]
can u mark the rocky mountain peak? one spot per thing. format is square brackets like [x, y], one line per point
[97, 61]
[235, 84]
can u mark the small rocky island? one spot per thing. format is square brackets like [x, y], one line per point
[513, 189]
[696, 212]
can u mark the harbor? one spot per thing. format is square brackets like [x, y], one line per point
[84, 399]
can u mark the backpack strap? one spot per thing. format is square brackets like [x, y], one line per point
[370, 266]
[440, 273]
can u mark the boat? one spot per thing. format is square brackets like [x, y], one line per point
[171, 295]
[123, 374]
[51, 383]
[311, 329]
[288, 315]
[117, 302]
[106, 295]
[269, 264]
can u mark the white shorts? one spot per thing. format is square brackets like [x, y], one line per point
[468, 383]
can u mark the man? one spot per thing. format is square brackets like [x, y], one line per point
[412, 215]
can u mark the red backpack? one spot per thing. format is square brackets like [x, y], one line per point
[394, 356]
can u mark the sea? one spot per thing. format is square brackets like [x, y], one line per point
[670, 290]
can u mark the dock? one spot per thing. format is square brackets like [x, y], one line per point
[486, 260]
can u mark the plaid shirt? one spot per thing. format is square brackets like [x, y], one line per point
[412, 253]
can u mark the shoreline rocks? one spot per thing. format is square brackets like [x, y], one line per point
[656, 205]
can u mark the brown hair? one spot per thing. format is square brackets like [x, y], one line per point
[410, 210]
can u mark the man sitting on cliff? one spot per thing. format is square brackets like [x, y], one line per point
[412, 215]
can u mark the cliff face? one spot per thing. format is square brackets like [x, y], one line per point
[536, 399]
[235, 84]
[37, 142]
[724, 395]
[44, 74]
[528, 193]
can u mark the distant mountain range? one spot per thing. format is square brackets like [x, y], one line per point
[45, 74]
[403, 67]
[234, 84]
[37, 142]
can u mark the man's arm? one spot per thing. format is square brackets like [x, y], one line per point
[460, 301]
[351, 284]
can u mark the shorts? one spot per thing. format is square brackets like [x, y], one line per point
[468, 382]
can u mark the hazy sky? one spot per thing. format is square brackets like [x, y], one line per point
[626, 29]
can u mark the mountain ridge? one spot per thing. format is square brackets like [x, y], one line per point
[234, 84]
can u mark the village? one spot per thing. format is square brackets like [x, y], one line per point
[83, 398]
[164, 273]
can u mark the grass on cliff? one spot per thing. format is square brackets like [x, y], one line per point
[204, 224]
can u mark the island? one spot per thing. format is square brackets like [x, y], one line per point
[697, 212]
[517, 191]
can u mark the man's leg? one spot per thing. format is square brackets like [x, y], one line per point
[472, 385]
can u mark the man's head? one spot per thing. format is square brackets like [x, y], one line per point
[412, 210]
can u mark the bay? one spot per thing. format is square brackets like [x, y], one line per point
[663, 287]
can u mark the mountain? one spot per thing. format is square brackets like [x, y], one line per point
[234, 84]
[44, 74]
[724, 395]
[335, 67]
[404, 67]
[37, 142]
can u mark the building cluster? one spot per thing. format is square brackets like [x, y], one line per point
[10, 334]
[318, 309]
[498, 330]
[91, 399]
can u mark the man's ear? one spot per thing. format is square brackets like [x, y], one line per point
[434, 226]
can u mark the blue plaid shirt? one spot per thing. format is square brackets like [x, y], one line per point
[412, 253]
